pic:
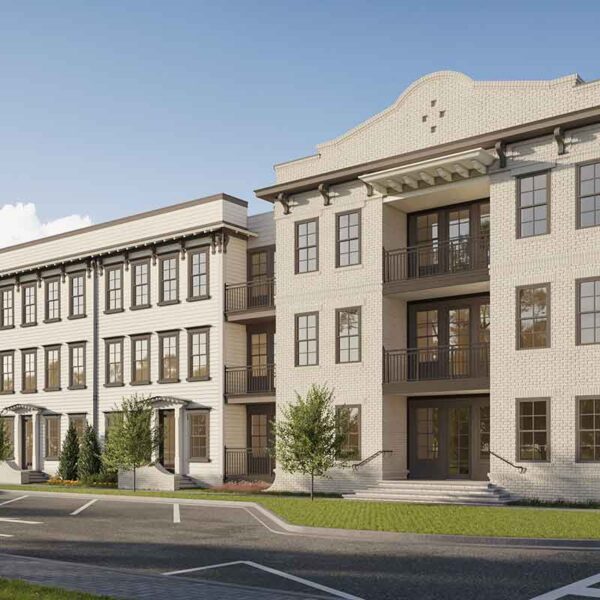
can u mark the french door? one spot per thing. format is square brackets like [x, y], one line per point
[166, 422]
[27, 438]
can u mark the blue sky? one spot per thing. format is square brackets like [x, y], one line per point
[109, 108]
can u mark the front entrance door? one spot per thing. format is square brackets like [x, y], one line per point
[449, 438]
[27, 445]
[260, 439]
[166, 423]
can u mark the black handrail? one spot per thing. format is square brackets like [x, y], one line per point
[356, 466]
[250, 295]
[522, 470]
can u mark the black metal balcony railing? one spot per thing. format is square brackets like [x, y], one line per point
[250, 295]
[444, 362]
[243, 463]
[250, 380]
[438, 258]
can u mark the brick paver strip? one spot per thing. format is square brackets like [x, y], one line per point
[121, 584]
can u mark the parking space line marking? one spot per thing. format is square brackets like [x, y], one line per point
[7, 520]
[6, 535]
[250, 563]
[13, 500]
[579, 588]
[176, 514]
[82, 508]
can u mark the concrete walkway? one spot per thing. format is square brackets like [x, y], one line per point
[121, 584]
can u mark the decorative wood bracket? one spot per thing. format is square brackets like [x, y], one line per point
[89, 267]
[324, 191]
[283, 199]
[153, 256]
[559, 138]
[63, 274]
[501, 151]
[100, 266]
[126, 256]
[39, 279]
[182, 250]
[369, 189]
[18, 283]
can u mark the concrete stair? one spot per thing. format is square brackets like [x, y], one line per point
[186, 482]
[37, 477]
[434, 492]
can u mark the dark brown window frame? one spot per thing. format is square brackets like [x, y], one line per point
[578, 167]
[4, 353]
[297, 247]
[24, 353]
[191, 331]
[47, 350]
[338, 312]
[24, 288]
[47, 283]
[548, 458]
[339, 407]
[206, 414]
[134, 265]
[72, 277]
[107, 271]
[138, 338]
[190, 261]
[548, 315]
[72, 417]
[11, 289]
[338, 241]
[297, 317]
[578, 313]
[578, 400]
[52, 419]
[161, 339]
[11, 419]
[161, 281]
[73, 346]
[519, 179]
[107, 343]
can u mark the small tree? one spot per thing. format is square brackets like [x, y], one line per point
[89, 463]
[67, 466]
[308, 437]
[132, 437]
[5, 445]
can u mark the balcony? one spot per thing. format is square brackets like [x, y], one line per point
[244, 384]
[450, 369]
[251, 301]
[249, 464]
[441, 264]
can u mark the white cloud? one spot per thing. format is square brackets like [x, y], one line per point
[20, 223]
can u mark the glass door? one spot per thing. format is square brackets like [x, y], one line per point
[167, 439]
[459, 335]
[259, 359]
[459, 238]
[459, 442]
[27, 437]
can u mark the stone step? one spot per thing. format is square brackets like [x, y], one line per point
[492, 501]
[433, 483]
[433, 492]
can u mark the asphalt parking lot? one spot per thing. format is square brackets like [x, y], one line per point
[231, 546]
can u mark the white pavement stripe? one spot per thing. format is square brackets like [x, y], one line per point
[306, 582]
[7, 520]
[176, 514]
[579, 588]
[6, 535]
[82, 508]
[13, 500]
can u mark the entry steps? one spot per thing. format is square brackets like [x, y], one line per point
[186, 482]
[37, 477]
[434, 492]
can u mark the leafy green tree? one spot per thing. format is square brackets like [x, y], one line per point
[90, 462]
[308, 436]
[5, 445]
[67, 466]
[132, 438]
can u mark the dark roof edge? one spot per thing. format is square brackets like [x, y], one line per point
[127, 219]
[516, 133]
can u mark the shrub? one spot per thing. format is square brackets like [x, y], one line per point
[89, 463]
[69, 456]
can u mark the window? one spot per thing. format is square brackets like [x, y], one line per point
[140, 281]
[52, 300]
[80, 424]
[114, 289]
[198, 354]
[259, 434]
[307, 246]
[533, 192]
[52, 381]
[52, 437]
[77, 366]
[77, 296]
[7, 372]
[140, 368]
[348, 239]
[169, 357]
[7, 307]
[29, 370]
[533, 315]
[307, 339]
[588, 311]
[29, 316]
[9, 435]
[169, 280]
[589, 430]
[348, 420]
[428, 433]
[113, 350]
[427, 335]
[533, 430]
[484, 432]
[198, 429]
[198, 274]
[589, 195]
[348, 335]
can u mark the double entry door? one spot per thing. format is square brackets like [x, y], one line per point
[449, 438]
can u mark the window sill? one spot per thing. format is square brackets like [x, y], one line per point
[192, 379]
[52, 458]
[52, 389]
[168, 302]
[112, 385]
[349, 267]
[114, 311]
[47, 321]
[140, 307]
[29, 391]
[5, 327]
[199, 460]
[169, 381]
[77, 387]
[29, 324]
[140, 382]
[197, 298]
[7, 392]
[75, 317]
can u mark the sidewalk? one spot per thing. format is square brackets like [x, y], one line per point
[121, 584]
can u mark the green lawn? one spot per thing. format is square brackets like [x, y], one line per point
[407, 518]
[19, 590]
